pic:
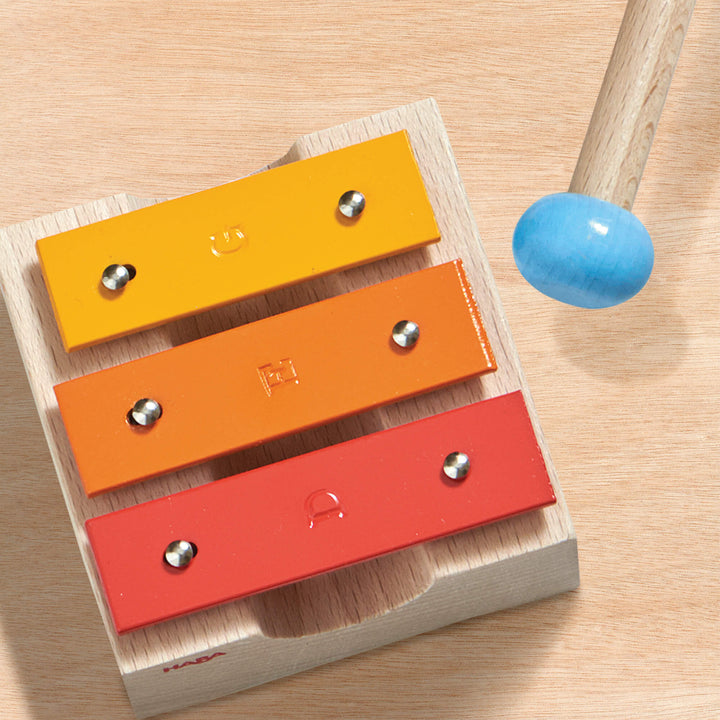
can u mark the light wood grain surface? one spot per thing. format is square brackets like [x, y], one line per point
[631, 100]
[160, 99]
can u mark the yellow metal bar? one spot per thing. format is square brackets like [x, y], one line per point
[247, 237]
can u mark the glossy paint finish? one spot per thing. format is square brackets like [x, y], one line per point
[274, 377]
[583, 251]
[318, 512]
[266, 231]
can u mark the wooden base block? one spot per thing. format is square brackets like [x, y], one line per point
[280, 632]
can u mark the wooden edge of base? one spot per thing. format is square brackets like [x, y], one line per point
[225, 669]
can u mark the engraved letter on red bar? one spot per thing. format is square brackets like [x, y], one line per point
[318, 512]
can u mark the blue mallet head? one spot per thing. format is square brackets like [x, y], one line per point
[583, 251]
[581, 248]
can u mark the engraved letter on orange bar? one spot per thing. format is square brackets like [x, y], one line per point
[273, 377]
[266, 231]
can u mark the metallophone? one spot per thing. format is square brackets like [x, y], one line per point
[287, 415]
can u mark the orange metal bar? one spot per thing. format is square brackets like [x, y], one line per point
[247, 237]
[274, 377]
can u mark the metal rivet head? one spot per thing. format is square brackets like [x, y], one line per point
[406, 333]
[351, 203]
[456, 466]
[145, 412]
[179, 553]
[116, 277]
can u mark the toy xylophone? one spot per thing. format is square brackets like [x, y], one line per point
[286, 413]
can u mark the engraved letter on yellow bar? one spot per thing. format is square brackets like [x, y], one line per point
[265, 231]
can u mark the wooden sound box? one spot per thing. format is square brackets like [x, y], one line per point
[286, 413]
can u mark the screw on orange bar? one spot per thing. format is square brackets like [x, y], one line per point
[273, 377]
[318, 512]
[266, 231]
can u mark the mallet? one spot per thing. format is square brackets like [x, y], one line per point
[585, 247]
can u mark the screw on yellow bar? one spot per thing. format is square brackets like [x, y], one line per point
[266, 231]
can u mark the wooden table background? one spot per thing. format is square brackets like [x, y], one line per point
[164, 98]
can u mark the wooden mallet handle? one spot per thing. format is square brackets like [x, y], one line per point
[631, 100]
[585, 247]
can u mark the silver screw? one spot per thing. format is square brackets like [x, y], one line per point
[456, 466]
[351, 203]
[116, 277]
[145, 412]
[179, 553]
[406, 333]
